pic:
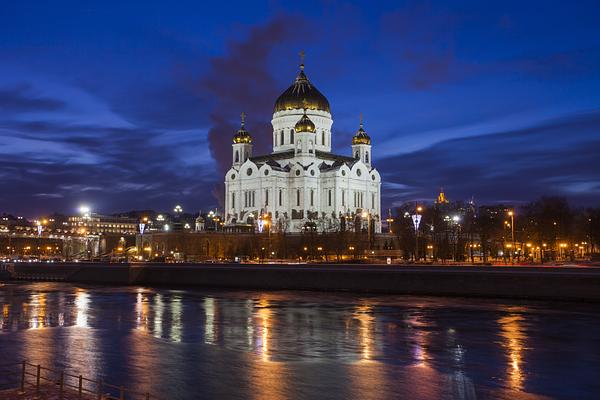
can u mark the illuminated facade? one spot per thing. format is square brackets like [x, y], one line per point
[302, 184]
[100, 224]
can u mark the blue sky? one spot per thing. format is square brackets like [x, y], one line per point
[132, 106]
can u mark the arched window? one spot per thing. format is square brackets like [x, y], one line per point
[282, 138]
[291, 136]
[357, 156]
[329, 195]
[245, 155]
[310, 146]
[312, 197]
[232, 200]
[237, 156]
[323, 137]
[367, 157]
[280, 197]
[297, 197]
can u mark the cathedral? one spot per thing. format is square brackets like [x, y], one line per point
[302, 185]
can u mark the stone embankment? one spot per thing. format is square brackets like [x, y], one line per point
[534, 282]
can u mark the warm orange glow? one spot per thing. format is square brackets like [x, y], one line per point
[363, 314]
[513, 341]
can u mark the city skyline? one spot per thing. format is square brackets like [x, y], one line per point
[134, 107]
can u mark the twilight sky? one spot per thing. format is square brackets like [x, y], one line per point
[132, 105]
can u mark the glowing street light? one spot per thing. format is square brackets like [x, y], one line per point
[85, 211]
[511, 214]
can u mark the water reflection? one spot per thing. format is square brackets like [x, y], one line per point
[209, 320]
[176, 310]
[419, 336]
[366, 328]
[159, 309]
[263, 331]
[300, 345]
[82, 301]
[514, 337]
[5, 316]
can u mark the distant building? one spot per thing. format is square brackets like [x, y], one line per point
[199, 223]
[441, 199]
[94, 224]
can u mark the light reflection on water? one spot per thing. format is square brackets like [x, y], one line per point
[304, 345]
[512, 332]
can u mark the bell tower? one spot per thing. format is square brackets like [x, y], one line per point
[361, 145]
[242, 144]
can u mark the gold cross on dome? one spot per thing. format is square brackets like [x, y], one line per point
[243, 115]
[361, 120]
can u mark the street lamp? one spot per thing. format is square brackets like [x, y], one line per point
[416, 219]
[456, 220]
[512, 230]
[367, 215]
[85, 211]
[389, 220]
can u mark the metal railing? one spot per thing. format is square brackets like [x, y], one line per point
[27, 376]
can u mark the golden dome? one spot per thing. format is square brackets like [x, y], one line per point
[361, 136]
[302, 91]
[242, 135]
[304, 124]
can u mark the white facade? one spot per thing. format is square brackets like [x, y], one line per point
[301, 184]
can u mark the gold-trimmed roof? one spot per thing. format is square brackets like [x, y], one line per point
[242, 135]
[361, 136]
[301, 91]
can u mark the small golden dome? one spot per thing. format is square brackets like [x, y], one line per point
[242, 135]
[305, 125]
[302, 91]
[361, 136]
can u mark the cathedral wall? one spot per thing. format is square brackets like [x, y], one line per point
[284, 121]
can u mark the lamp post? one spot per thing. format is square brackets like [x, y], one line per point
[512, 232]
[456, 220]
[389, 221]
[142, 227]
[416, 219]
[367, 215]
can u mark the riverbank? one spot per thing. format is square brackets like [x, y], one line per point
[536, 282]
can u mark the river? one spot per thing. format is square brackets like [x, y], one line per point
[220, 344]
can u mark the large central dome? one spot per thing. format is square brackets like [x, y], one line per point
[302, 94]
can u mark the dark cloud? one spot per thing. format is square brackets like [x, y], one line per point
[554, 158]
[242, 81]
[110, 168]
[22, 98]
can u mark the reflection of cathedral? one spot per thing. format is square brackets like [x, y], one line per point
[301, 184]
